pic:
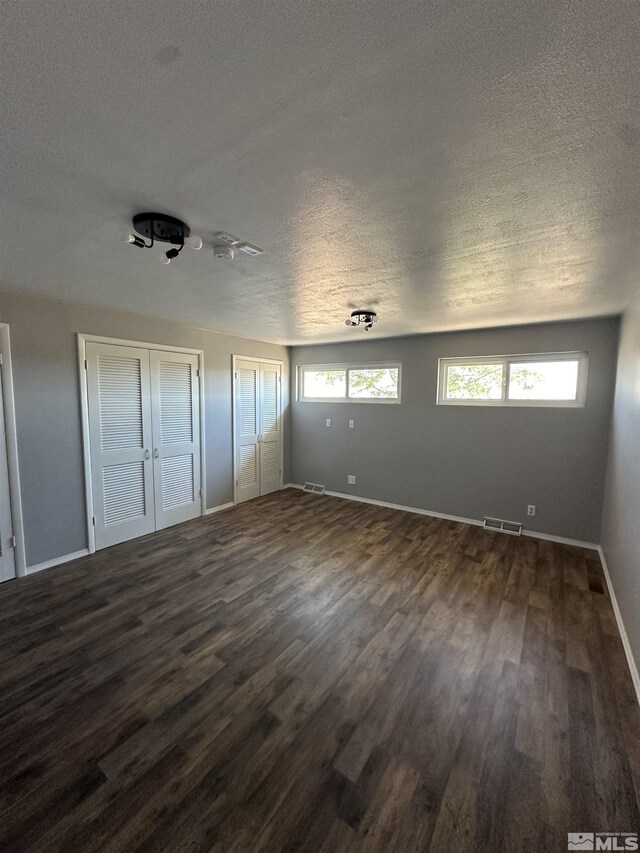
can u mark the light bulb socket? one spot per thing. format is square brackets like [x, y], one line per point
[193, 241]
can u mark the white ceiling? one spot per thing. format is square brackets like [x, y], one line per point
[452, 163]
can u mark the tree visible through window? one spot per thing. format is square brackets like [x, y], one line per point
[485, 381]
[543, 379]
[325, 383]
[474, 381]
[374, 383]
[350, 383]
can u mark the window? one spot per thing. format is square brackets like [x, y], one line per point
[361, 383]
[325, 384]
[544, 379]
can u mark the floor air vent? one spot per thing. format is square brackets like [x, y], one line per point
[313, 487]
[512, 527]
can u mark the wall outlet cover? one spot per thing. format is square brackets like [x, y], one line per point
[351, 479]
[531, 510]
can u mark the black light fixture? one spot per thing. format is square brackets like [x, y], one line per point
[161, 228]
[362, 317]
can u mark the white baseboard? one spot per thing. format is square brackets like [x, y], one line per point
[433, 514]
[635, 676]
[401, 507]
[57, 561]
[219, 508]
[561, 540]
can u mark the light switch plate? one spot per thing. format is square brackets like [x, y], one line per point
[351, 479]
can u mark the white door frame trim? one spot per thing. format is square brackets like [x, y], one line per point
[11, 431]
[84, 405]
[234, 359]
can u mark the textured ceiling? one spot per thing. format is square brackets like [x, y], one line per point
[452, 163]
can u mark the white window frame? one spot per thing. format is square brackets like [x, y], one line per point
[505, 360]
[369, 365]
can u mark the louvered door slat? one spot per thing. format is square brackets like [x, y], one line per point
[176, 405]
[177, 481]
[247, 383]
[123, 490]
[248, 473]
[270, 461]
[269, 402]
[120, 402]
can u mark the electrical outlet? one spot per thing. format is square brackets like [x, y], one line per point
[328, 421]
[531, 510]
[352, 423]
[351, 479]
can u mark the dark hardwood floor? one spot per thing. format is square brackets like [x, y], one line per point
[302, 673]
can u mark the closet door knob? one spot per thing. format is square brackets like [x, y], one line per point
[156, 453]
[146, 454]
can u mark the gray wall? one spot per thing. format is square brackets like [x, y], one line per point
[621, 520]
[465, 461]
[45, 369]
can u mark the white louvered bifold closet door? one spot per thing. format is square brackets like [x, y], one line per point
[120, 438]
[175, 398]
[247, 419]
[270, 428]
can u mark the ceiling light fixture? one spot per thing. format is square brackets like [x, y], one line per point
[362, 317]
[161, 228]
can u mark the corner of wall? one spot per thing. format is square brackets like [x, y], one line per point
[620, 532]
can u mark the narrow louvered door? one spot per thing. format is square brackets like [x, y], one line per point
[175, 397]
[247, 462]
[269, 428]
[120, 439]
